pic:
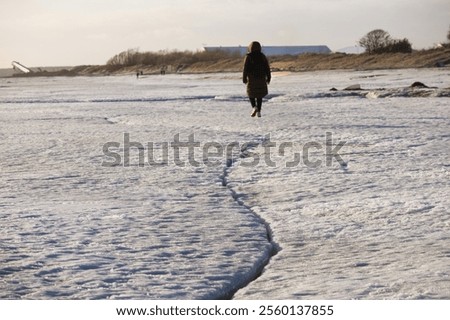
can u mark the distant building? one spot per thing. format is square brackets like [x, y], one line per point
[274, 50]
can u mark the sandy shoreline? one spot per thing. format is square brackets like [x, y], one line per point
[306, 62]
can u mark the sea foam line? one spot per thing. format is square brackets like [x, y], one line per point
[274, 247]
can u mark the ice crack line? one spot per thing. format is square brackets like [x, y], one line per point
[274, 247]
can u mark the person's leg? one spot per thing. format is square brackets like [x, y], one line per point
[255, 110]
[259, 106]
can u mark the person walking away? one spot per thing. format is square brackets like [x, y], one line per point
[256, 75]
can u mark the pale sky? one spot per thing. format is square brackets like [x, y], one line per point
[76, 32]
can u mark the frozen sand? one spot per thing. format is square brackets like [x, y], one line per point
[377, 228]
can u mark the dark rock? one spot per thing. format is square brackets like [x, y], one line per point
[419, 84]
[353, 87]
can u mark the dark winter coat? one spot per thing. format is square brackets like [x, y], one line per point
[256, 72]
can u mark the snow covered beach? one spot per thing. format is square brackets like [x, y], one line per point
[374, 226]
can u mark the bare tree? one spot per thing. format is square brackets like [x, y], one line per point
[125, 58]
[448, 34]
[375, 40]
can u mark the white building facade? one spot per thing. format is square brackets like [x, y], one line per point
[274, 50]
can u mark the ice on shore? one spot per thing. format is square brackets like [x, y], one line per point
[373, 227]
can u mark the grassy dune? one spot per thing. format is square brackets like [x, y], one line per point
[418, 59]
[305, 62]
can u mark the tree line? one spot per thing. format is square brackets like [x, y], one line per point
[380, 41]
[132, 57]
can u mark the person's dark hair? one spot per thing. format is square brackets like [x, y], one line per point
[254, 46]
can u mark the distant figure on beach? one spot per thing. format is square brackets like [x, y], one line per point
[257, 76]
